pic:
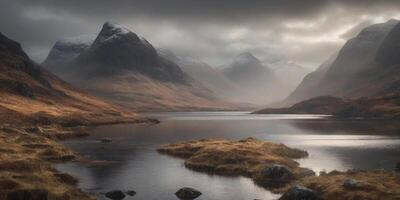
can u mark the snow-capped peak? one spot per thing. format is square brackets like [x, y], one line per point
[111, 31]
[116, 28]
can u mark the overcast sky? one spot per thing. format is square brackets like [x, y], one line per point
[305, 32]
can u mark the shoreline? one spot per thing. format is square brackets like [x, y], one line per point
[223, 157]
[27, 155]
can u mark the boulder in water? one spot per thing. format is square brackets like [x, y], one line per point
[187, 193]
[275, 176]
[115, 195]
[130, 193]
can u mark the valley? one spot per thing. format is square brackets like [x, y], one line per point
[199, 100]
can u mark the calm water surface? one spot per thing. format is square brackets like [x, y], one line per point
[332, 145]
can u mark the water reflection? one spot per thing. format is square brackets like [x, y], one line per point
[331, 144]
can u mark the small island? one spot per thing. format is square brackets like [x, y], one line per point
[273, 166]
[268, 164]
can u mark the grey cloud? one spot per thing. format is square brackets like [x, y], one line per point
[305, 32]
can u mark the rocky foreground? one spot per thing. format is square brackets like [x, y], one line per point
[273, 167]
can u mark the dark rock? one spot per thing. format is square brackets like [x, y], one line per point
[32, 129]
[33, 194]
[307, 172]
[66, 178]
[130, 193]
[397, 167]
[115, 195]
[23, 89]
[105, 140]
[352, 184]
[300, 193]
[187, 193]
[275, 176]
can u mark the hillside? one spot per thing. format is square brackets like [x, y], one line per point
[207, 75]
[126, 69]
[31, 93]
[385, 107]
[367, 65]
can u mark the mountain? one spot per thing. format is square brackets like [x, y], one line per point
[31, 94]
[289, 72]
[367, 65]
[257, 83]
[208, 76]
[67, 50]
[309, 84]
[126, 69]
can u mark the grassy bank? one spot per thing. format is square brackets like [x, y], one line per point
[258, 160]
[27, 153]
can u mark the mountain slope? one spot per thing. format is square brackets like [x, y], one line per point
[365, 66]
[310, 83]
[66, 50]
[127, 69]
[30, 94]
[257, 83]
[290, 73]
[208, 76]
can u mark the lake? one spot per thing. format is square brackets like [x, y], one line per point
[332, 144]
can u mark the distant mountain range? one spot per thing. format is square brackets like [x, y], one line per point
[124, 68]
[31, 94]
[257, 83]
[244, 80]
[367, 65]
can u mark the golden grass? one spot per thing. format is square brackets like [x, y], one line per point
[375, 185]
[25, 166]
[247, 157]
[227, 157]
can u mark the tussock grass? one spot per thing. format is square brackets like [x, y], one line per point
[227, 157]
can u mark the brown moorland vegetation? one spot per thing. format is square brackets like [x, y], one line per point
[249, 157]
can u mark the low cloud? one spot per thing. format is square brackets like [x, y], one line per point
[305, 32]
